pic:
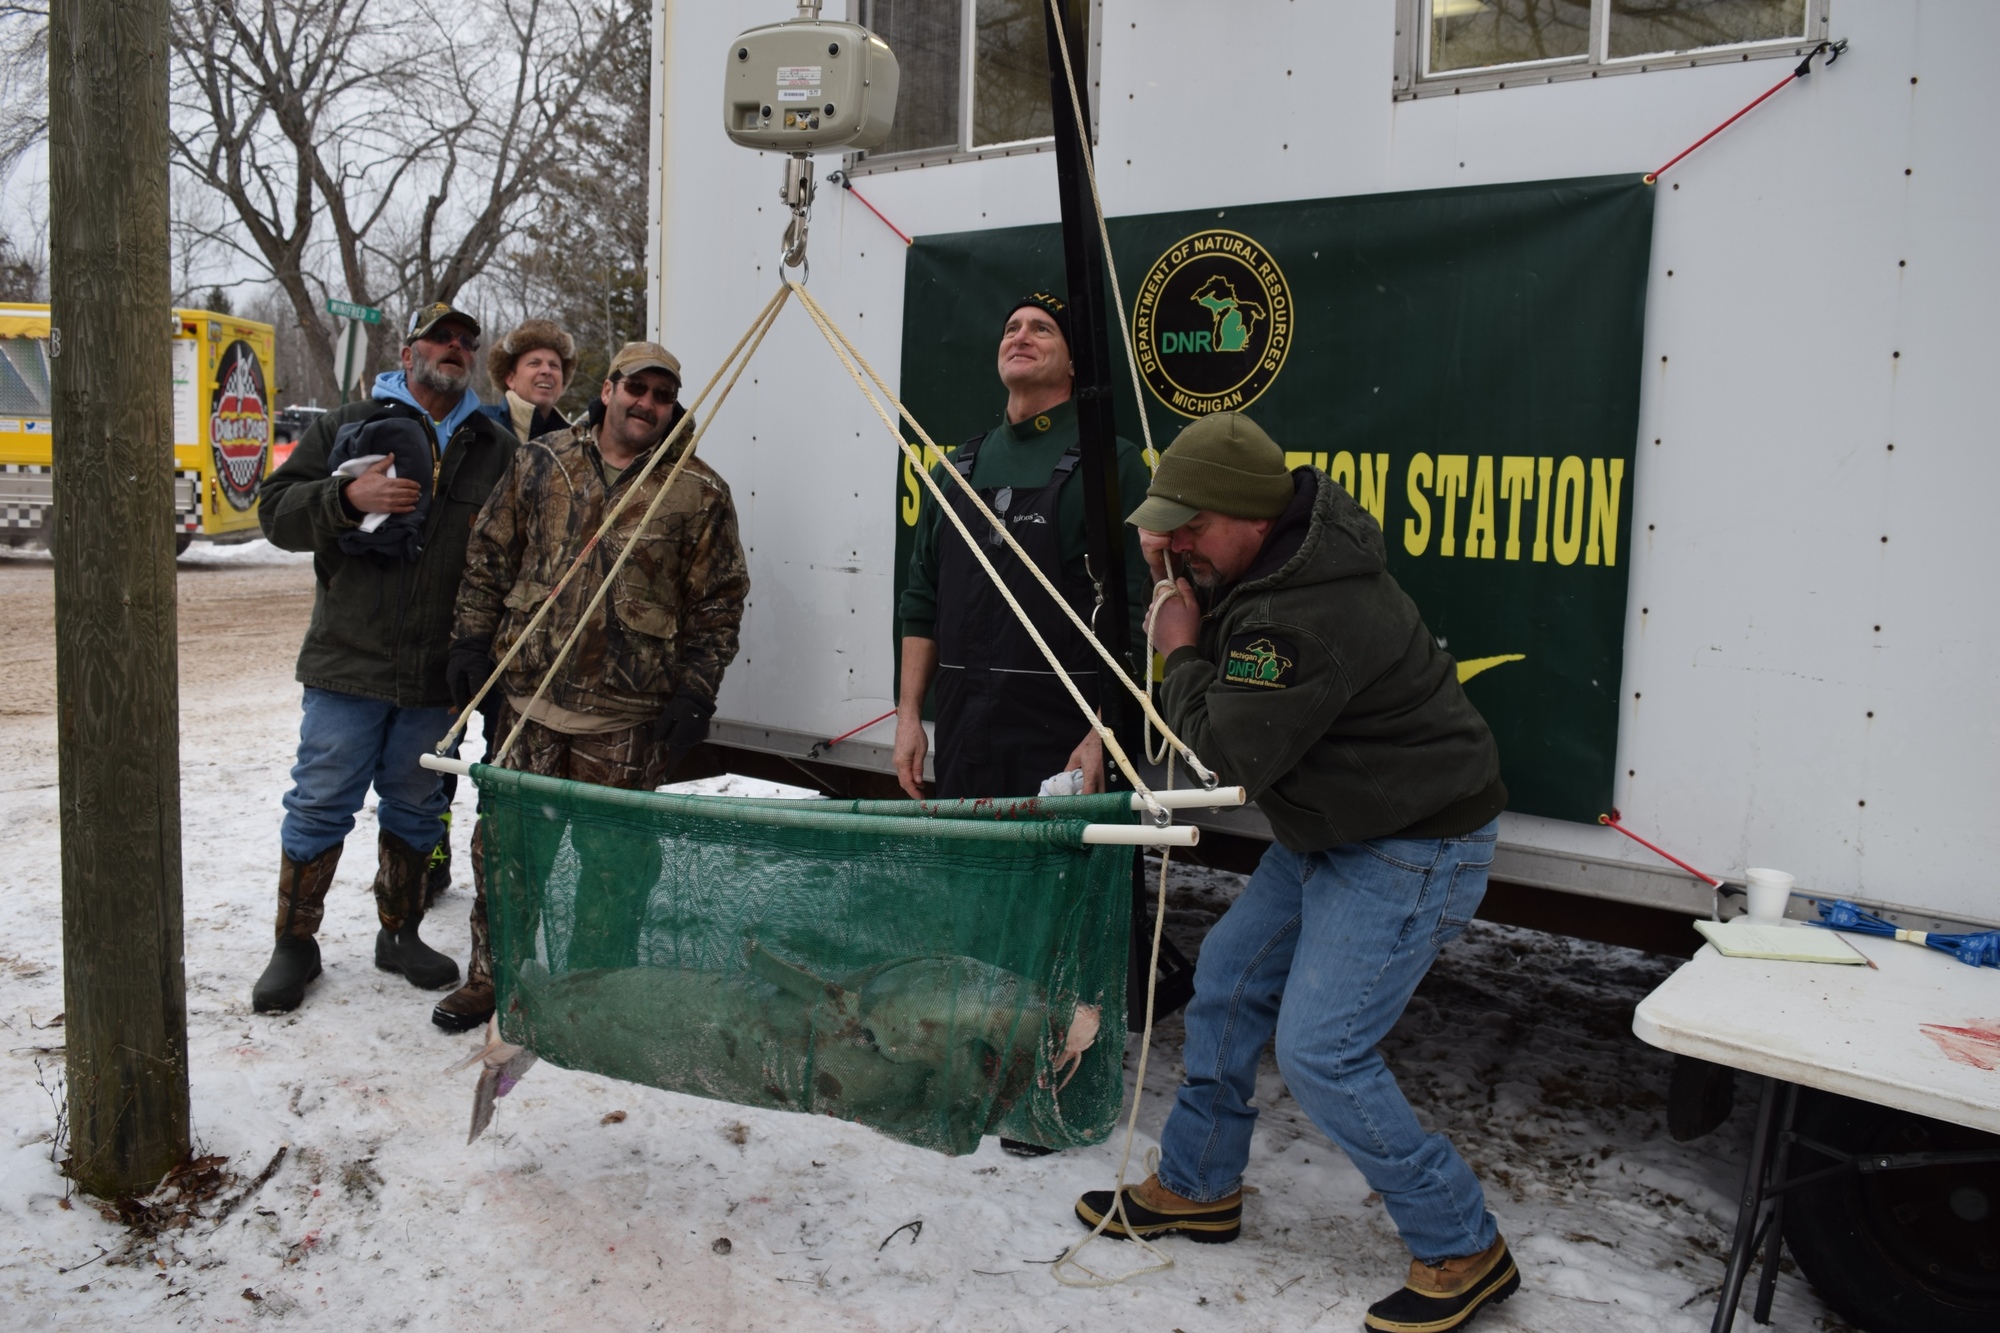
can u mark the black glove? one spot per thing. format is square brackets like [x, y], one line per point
[681, 726]
[467, 666]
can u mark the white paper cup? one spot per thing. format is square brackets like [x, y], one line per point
[1769, 891]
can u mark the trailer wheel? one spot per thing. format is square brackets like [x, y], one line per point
[1907, 1251]
[182, 540]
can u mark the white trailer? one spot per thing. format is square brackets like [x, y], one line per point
[1809, 654]
[1807, 651]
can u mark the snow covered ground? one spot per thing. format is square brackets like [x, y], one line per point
[597, 1203]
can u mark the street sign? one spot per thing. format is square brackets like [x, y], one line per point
[353, 350]
[367, 314]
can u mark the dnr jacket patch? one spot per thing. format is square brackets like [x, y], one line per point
[1259, 659]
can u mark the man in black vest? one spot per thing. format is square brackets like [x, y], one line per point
[1005, 722]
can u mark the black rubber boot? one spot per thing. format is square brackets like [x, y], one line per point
[399, 902]
[1448, 1295]
[294, 964]
[302, 888]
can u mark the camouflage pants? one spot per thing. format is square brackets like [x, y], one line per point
[611, 890]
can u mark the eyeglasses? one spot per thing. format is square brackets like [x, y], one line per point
[446, 337]
[663, 394]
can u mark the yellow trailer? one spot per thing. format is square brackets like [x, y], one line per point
[222, 394]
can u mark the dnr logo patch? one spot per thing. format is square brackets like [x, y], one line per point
[1212, 323]
[1259, 659]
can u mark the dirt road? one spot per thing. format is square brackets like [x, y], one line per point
[236, 616]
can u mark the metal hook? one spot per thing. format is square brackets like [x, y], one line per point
[798, 196]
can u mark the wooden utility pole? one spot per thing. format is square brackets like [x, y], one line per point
[117, 692]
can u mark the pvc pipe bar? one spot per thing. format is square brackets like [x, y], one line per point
[1194, 798]
[1126, 835]
[1141, 835]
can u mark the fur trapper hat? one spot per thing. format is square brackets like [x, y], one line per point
[525, 338]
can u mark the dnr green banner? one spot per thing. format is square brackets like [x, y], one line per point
[1465, 362]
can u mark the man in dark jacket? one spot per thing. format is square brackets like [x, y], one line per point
[1297, 667]
[373, 659]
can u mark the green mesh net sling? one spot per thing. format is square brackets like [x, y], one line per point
[935, 970]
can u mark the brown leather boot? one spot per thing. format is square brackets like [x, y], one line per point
[302, 887]
[399, 902]
[1153, 1210]
[1447, 1294]
[472, 1004]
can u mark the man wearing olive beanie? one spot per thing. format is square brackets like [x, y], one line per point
[1297, 667]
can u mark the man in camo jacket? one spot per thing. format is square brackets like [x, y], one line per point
[636, 692]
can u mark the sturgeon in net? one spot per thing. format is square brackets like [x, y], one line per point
[934, 1051]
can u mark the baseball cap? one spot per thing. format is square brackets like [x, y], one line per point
[1223, 462]
[634, 357]
[424, 317]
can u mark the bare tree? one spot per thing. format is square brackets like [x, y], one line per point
[581, 257]
[276, 102]
[24, 79]
[382, 153]
[509, 121]
[21, 272]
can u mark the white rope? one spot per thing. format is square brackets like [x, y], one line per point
[465, 715]
[849, 357]
[846, 350]
[1161, 591]
[1162, 1262]
[659, 498]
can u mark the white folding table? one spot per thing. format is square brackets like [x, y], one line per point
[1855, 1031]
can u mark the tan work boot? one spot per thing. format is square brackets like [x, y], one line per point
[1447, 1295]
[399, 902]
[302, 888]
[1151, 1209]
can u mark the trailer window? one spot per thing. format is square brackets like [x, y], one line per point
[925, 35]
[1453, 46]
[974, 77]
[24, 377]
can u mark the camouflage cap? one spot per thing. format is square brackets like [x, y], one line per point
[634, 357]
[425, 318]
[1223, 462]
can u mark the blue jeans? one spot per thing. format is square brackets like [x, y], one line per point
[347, 742]
[1325, 950]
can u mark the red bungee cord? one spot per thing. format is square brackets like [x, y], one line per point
[1611, 821]
[1833, 50]
[840, 178]
[823, 746]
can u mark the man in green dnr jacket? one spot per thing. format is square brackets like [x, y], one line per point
[1005, 721]
[1297, 667]
[388, 546]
